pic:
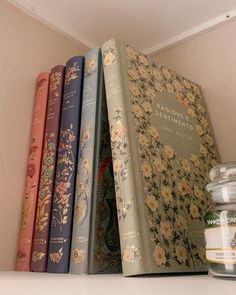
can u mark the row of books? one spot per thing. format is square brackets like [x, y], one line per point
[120, 152]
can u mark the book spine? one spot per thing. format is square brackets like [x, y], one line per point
[132, 252]
[104, 243]
[63, 197]
[43, 211]
[33, 173]
[85, 171]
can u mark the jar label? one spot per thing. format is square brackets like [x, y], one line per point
[224, 256]
[220, 236]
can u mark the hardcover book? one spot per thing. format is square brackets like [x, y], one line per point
[87, 172]
[63, 197]
[44, 200]
[33, 174]
[104, 244]
[162, 150]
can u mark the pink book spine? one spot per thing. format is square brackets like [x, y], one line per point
[23, 258]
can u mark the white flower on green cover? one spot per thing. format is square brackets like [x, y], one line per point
[170, 88]
[118, 131]
[195, 160]
[143, 72]
[160, 166]
[166, 193]
[157, 74]
[109, 58]
[181, 222]
[131, 53]
[159, 87]
[86, 163]
[137, 110]
[119, 143]
[203, 150]
[177, 85]
[146, 169]
[181, 254]
[134, 89]
[147, 107]
[186, 84]
[196, 89]
[204, 122]
[185, 165]
[168, 151]
[142, 139]
[130, 254]
[143, 59]
[159, 255]
[134, 75]
[166, 229]
[90, 65]
[201, 108]
[150, 92]
[190, 97]
[181, 98]
[198, 192]
[167, 73]
[183, 187]
[78, 255]
[151, 202]
[194, 211]
[117, 165]
[153, 132]
[199, 129]
[191, 112]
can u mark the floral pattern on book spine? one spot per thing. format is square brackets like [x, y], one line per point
[45, 193]
[119, 143]
[71, 73]
[65, 168]
[83, 175]
[31, 170]
[55, 257]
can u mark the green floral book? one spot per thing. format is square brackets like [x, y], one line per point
[95, 236]
[162, 149]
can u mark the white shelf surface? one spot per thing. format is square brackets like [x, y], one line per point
[17, 283]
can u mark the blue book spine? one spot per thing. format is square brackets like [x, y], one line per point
[63, 198]
[86, 160]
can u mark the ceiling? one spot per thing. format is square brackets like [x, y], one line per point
[149, 25]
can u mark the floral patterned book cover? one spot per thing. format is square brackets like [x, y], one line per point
[44, 199]
[162, 149]
[24, 249]
[64, 188]
[88, 154]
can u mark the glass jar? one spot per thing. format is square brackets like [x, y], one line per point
[220, 221]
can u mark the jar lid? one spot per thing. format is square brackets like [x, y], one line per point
[223, 182]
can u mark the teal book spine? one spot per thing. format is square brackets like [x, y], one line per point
[85, 168]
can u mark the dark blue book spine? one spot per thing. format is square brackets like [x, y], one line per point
[63, 198]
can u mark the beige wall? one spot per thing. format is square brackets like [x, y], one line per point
[210, 60]
[26, 48]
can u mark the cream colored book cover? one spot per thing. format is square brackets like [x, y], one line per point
[163, 150]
